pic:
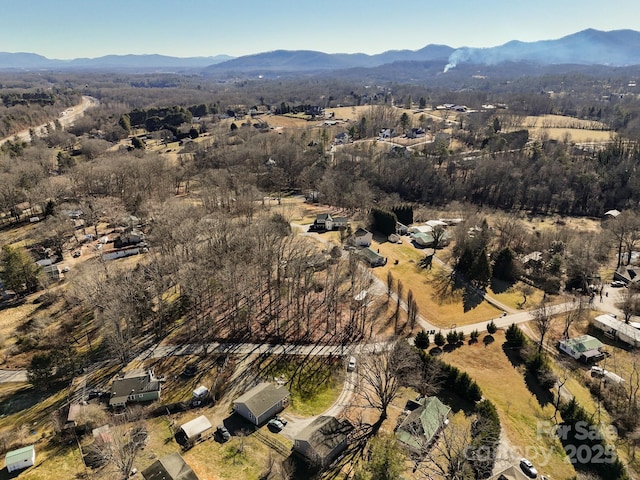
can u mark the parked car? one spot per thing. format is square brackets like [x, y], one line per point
[276, 424]
[351, 366]
[223, 433]
[598, 372]
[527, 467]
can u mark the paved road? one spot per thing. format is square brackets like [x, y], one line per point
[67, 118]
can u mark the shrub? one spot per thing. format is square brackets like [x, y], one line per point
[491, 328]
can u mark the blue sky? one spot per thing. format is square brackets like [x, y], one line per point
[91, 28]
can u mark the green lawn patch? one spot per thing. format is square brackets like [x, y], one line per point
[315, 383]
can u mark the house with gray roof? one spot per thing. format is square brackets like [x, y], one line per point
[136, 386]
[261, 402]
[169, 467]
[420, 428]
[323, 440]
[372, 258]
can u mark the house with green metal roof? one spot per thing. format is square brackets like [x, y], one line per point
[20, 458]
[420, 428]
[586, 348]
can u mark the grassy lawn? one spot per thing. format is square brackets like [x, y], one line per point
[519, 409]
[441, 309]
[314, 383]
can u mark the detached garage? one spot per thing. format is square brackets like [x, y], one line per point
[21, 458]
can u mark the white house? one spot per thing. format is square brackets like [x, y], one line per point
[362, 237]
[21, 458]
[585, 348]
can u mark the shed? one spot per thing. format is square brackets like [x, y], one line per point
[261, 402]
[20, 458]
[194, 430]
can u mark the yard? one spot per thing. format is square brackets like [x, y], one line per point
[521, 411]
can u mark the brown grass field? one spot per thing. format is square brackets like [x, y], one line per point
[519, 409]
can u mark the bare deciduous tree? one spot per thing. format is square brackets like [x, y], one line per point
[542, 322]
[381, 375]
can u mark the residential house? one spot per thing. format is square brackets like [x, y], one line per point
[362, 237]
[510, 473]
[585, 349]
[323, 440]
[72, 414]
[627, 275]
[386, 133]
[193, 431]
[421, 426]
[325, 221]
[342, 138]
[618, 330]
[322, 222]
[20, 458]
[261, 402]
[423, 239]
[372, 258]
[337, 223]
[416, 133]
[135, 386]
[169, 467]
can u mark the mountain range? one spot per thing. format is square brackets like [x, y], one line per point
[615, 48]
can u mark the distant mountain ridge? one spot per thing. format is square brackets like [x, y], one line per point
[32, 61]
[617, 48]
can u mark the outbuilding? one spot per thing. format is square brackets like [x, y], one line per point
[195, 430]
[21, 458]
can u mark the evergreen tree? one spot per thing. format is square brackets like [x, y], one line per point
[504, 267]
[480, 272]
[439, 339]
[422, 340]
